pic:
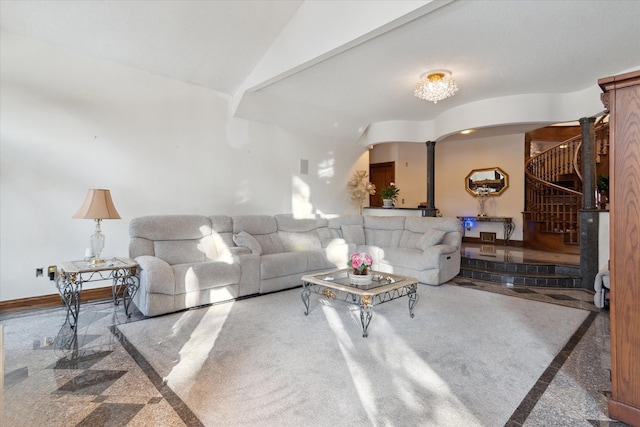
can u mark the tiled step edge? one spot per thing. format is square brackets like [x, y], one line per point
[521, 278]
[519, 269]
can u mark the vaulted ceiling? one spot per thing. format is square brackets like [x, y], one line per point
[339, 67]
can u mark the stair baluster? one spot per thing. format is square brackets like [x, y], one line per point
[553, 195]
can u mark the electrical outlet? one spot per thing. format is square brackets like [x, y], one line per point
[39, 272]
[51, 271]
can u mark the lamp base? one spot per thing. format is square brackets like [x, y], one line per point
[97, 244]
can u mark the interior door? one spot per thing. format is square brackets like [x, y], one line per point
[381, 175]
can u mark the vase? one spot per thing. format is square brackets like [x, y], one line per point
[602, 200]
[387, 203]
[482, 199]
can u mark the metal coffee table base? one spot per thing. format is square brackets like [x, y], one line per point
[366, 301]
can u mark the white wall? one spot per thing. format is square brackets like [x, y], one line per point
[453, 162]
[70, 122]
[603, 240]
[411, 169]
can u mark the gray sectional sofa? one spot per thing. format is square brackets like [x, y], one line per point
[191, 260]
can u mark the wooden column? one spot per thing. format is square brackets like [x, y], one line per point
[622, 98]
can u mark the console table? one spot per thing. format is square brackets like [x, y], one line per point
[73, 274]
[507, 223]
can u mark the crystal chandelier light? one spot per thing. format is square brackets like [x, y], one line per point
[435, 86]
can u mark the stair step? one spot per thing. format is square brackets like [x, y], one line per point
[546, 275]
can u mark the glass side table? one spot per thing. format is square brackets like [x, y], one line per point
[73, 274]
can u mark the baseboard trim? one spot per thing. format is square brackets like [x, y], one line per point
[623, 412]
[54, 299]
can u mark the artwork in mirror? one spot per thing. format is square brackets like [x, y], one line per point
[487, 182]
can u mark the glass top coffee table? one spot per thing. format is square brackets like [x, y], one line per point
[335, 284]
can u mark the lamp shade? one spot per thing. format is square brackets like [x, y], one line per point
[97, 205]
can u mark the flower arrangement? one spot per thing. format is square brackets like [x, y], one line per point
[360, 187]
[360, 262]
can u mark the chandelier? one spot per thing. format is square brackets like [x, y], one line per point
[435, 86]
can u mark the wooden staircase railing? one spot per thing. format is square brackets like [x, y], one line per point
[553, 186]
[555, 208]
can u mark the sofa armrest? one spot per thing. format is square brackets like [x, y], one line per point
[238, 250]
[250, 276]
[439, 250]
[156, 275]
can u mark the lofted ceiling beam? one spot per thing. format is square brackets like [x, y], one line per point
[322, 29]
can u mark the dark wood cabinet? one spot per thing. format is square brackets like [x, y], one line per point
[622, 97]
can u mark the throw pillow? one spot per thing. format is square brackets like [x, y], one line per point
[353, 233]
[246, 240]
[430, 238]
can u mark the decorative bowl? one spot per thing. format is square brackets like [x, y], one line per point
[360, 280]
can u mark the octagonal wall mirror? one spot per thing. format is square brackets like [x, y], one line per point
[490, 182]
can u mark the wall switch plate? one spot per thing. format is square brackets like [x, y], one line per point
[304, 167]
[39, 272]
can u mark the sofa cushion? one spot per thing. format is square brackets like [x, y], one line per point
[337, 222]
[409, 239]
[384, 222]
[383, 238]
[288, 222]
[430, 238]
[299, 234]
[451, 226]
[408, 258]
[383, 231]
[246, 240]
[254, 224]
[282, 264]
[300, 241]
[329, 236]
[214, 248]
[179, 251]
[317, 260]
[270, 243]
[222, 226]
[263, 228]
[353, 233]
[170, 227]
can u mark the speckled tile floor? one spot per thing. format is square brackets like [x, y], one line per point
[55, 376]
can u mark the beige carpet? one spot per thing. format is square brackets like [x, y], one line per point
[468, 358]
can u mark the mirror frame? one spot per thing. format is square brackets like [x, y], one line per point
[470, 187]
